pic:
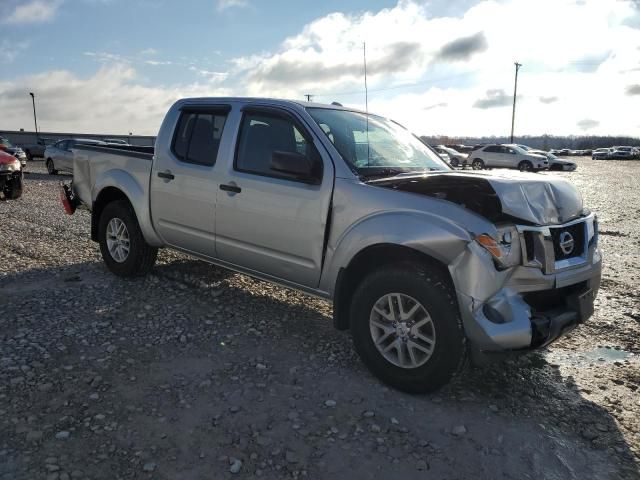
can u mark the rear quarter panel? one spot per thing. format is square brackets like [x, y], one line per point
[95, 171]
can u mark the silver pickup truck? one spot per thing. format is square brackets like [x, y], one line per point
[426, 266]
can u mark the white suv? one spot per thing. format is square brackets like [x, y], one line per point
[507, 156]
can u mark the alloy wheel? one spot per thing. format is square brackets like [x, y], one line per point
[402, 330]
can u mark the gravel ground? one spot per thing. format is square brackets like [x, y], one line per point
[195, 372]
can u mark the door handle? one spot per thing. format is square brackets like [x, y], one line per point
[166, 175]
[230, 188]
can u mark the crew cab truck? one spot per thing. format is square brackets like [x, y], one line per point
[425, 265]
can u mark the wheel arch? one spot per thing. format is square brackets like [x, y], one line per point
[120, 185]
[106, 196]
[368, 260]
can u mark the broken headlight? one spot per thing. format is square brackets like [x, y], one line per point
[504, 248]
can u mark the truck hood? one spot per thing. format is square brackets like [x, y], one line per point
[506, 196]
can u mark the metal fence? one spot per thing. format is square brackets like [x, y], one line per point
[22, 138]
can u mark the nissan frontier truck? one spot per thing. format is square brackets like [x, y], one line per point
[426, 266]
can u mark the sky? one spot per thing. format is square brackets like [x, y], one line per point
[438, 67]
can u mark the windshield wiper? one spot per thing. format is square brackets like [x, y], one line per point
[382, 172]
[393, 172]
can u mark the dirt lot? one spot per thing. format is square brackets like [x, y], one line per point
[195, 372]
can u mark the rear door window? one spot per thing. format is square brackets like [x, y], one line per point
[197, 136]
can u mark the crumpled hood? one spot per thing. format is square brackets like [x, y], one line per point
[533, 198]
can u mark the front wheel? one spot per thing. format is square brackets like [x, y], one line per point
[455, 163]
[13, 188]
[477, 164]
[525, 166]
[122, 244]
[406, 328]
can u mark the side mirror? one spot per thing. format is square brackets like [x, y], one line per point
[293, 163]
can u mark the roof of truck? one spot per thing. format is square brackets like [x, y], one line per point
[273, 101]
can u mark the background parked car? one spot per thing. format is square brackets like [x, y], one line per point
[556, 163]
[601, 154]
[7, 146]
[36, 150]
[11, 180]
[456, 159]
[623, 153]
[59, 157]
[507, 156]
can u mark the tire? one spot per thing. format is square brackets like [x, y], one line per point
[436, 296]
[477, 164]
[525, 166]
[455, 163]
[140, 256]
[13, 190]
[50, 167]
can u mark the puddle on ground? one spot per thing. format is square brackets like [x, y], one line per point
[595, 356]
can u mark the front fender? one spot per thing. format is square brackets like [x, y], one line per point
[422, 231]
[135, 193]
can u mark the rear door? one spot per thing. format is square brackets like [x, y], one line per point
[184, 183]
[491, 156]
[267, 221]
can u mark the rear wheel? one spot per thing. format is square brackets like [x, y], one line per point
[477, 164]
[406, 328]
[122, 244]
[51, 169]
[525, 166]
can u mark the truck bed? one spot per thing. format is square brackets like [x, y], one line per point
[91, 161]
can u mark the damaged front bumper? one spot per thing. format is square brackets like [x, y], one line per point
[530, 305]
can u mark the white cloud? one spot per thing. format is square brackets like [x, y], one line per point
[113, 100]
[33, 11]
[226, 4]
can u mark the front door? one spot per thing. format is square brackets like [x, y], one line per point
[269, 221]
[184, 184]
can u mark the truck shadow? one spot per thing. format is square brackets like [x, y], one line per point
[216, 303]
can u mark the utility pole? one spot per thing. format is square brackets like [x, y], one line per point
[309, 96]
[35, 120]
[515, 92]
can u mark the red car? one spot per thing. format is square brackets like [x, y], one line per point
[11, 180]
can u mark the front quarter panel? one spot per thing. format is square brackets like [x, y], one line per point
[365, 215]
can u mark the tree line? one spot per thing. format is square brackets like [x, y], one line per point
[543, 142]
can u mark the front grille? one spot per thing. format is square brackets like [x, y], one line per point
[529, 245]
[575, 232]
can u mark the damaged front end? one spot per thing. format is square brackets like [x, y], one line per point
[534, 275]
[546, 289]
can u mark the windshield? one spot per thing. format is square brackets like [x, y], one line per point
[375, 146]
[5, 141]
